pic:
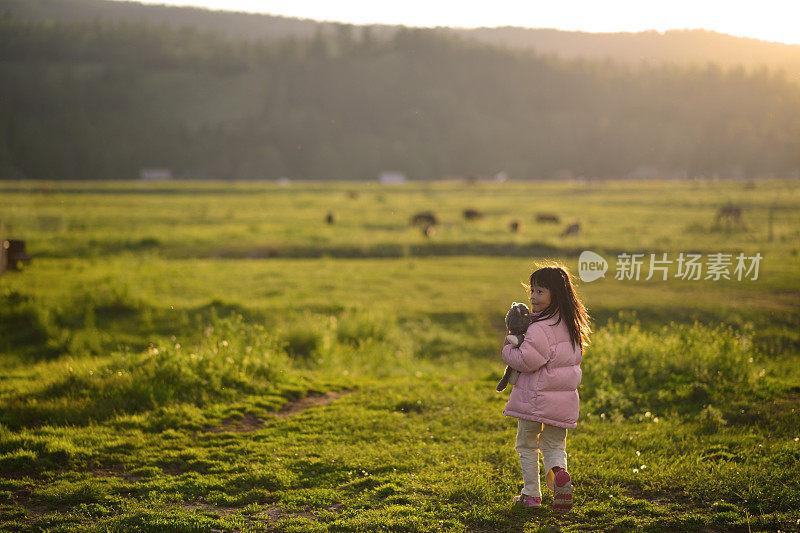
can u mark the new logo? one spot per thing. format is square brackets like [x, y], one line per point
[591, 266]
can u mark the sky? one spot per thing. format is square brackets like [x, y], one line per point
[768, 20]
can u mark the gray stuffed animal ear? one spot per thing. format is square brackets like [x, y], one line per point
[518, 318]
[523, 309]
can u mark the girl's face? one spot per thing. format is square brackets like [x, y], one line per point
[540, 298]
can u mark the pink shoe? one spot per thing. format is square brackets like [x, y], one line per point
[531, 502]
[562, 492]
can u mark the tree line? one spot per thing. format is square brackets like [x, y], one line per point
[102, 99]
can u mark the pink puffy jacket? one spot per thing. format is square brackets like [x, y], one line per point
[547, 388]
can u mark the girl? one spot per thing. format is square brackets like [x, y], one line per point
[545, 398]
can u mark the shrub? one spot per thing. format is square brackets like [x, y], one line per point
[681, 367]
[710, 419]
[357, 327]
[26, 327]
[301, 341]
[233, 358]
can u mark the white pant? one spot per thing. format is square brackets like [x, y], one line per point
[533, 437]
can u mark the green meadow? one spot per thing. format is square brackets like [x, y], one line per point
[207, 356]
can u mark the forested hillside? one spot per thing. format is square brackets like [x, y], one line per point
[229, 23]
[683, 47]
[103, 99]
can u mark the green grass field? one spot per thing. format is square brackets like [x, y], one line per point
[213, 356]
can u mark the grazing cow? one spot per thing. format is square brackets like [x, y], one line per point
[572, 229]
[424, 218]
[330, 218]
[515, 226]
[731, 214]
[547, 218]
[428, 231]
[472, 214]
[353, 194]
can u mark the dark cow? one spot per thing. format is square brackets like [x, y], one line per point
[472, 214]
[547, 218]
[424, 218]
[731, 215]
[572, 229]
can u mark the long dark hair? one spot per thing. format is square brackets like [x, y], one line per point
[563, 301]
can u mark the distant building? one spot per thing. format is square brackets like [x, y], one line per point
[155, 174]
[563, 174]
[392, 178]
[645, 172]
[501, 177]
[736, 172]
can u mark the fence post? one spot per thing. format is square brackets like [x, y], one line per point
[3, 249]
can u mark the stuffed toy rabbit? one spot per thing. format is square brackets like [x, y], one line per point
[518, 319]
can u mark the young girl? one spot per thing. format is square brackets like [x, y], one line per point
[545, 398]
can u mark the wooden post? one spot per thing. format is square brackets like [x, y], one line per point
[3, 254]
[770, 217]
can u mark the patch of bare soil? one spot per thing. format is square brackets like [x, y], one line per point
[115, 470]
[312, 400]
[251, 422]
[662, 500]
[276, 513]
[271, 515]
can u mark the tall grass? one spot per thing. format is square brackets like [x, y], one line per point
[678, 368]
[233, 358]
[116, 356]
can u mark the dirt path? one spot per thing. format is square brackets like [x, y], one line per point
[251, 422]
